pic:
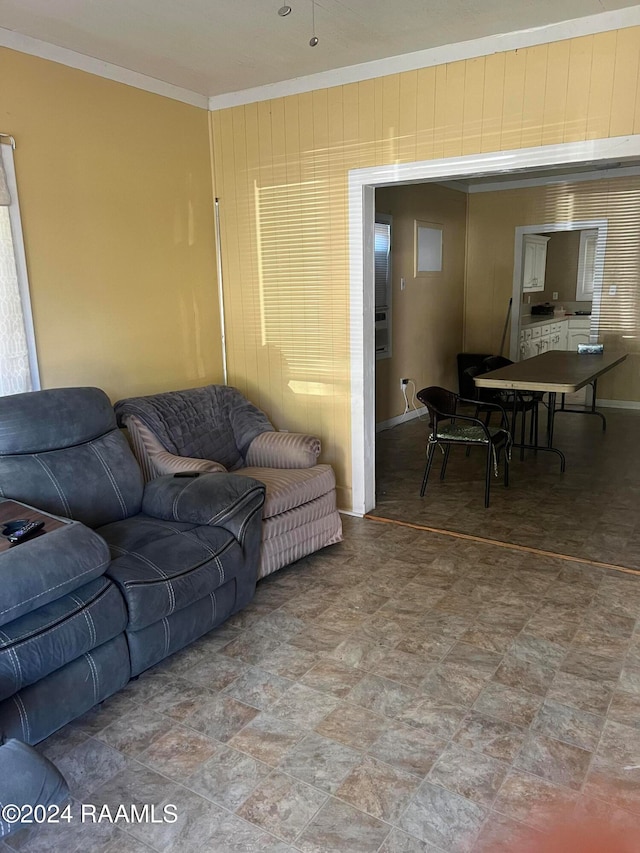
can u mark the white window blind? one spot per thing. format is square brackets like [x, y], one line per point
[382, 248]
[382, 273]
[18, 365]
[586, 265]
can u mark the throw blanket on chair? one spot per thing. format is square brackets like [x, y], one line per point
[215, 422]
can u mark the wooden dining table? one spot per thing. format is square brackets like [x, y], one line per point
[554, 372]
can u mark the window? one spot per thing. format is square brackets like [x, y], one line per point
[382, 261]
[586, 265]
[18, 365]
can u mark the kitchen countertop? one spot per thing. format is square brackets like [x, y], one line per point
[545, 319]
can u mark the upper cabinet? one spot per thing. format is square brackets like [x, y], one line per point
[534, 262]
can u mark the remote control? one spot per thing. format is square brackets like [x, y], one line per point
[24, 532]
[187, 474]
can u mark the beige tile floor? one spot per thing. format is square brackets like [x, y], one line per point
[403, 692]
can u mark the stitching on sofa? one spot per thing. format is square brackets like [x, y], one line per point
[174, 508]
[94, 675]
[88, 619]
[24, 717]
[27, 638]
[13, 661]
[51, 476]
[187, 533]
[243, 529]
[167, 635]
[51, 588]
[232, 510]
[112, 479]
[152, 565]
[218, 562]
[214, 606]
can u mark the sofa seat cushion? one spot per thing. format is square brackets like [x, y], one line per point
[163, 566]
[291, 487]
[46, 639]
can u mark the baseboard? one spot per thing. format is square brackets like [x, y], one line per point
[351, 513]
[618, 404]
[400, 419]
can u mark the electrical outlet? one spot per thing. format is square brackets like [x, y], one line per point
[403, 384]
[554, 296]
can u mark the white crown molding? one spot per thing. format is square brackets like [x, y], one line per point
[603, 22]
[45, 50]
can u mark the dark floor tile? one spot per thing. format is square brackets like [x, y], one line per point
[625, 708]
[470, 774]
[443, 818]
[258, 688]
[378, 789]
[382, 696]
[490, 736]
[554, 760]
[588, 664]
[178, 752]
[227, 777]
[332, 677]
[320, 762]
[220, 717]
[282, 805]
[267, 738]
[579, 692]
[568, 724]
[89, 765]
[407, 748]
[452, 685]
[533, 801]
[338, 827]
[352, 725]
[509, 704]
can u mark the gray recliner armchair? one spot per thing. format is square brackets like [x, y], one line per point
[139, 573]
[215, 428]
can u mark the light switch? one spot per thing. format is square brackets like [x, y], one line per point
[554, 295]
[402, 284]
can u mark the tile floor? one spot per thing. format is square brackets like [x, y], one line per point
[590, 511]
[404, 691]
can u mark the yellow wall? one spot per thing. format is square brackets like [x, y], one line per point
[427, 314]
[116, 200]
[281, 172]
[493, 218]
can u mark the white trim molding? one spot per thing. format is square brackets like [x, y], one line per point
[400, 419]
[618, 404]
[362, 184]
[72, 59]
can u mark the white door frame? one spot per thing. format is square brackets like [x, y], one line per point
[362, 184]
[599, 225]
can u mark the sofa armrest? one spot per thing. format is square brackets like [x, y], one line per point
[219, 500]
[169, 463]
[27, 779]
[48, 567]
[283, 450]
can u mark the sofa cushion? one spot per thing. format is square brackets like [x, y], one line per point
[291, 487]
[61, 450]
[163, 566]
[49, 567]
[46, 639]
[28, 778]
[50, 703]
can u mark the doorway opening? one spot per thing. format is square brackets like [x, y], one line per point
[362, 185]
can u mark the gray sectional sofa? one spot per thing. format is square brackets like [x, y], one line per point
[135, 573]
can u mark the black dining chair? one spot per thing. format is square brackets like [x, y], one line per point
[449, 427]
[519, 402]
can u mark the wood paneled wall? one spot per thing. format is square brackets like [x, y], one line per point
[281, 175]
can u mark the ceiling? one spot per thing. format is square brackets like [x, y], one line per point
[213, 47]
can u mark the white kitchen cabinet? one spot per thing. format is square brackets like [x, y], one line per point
[534, 262]
[578, 332]
[558, 336]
